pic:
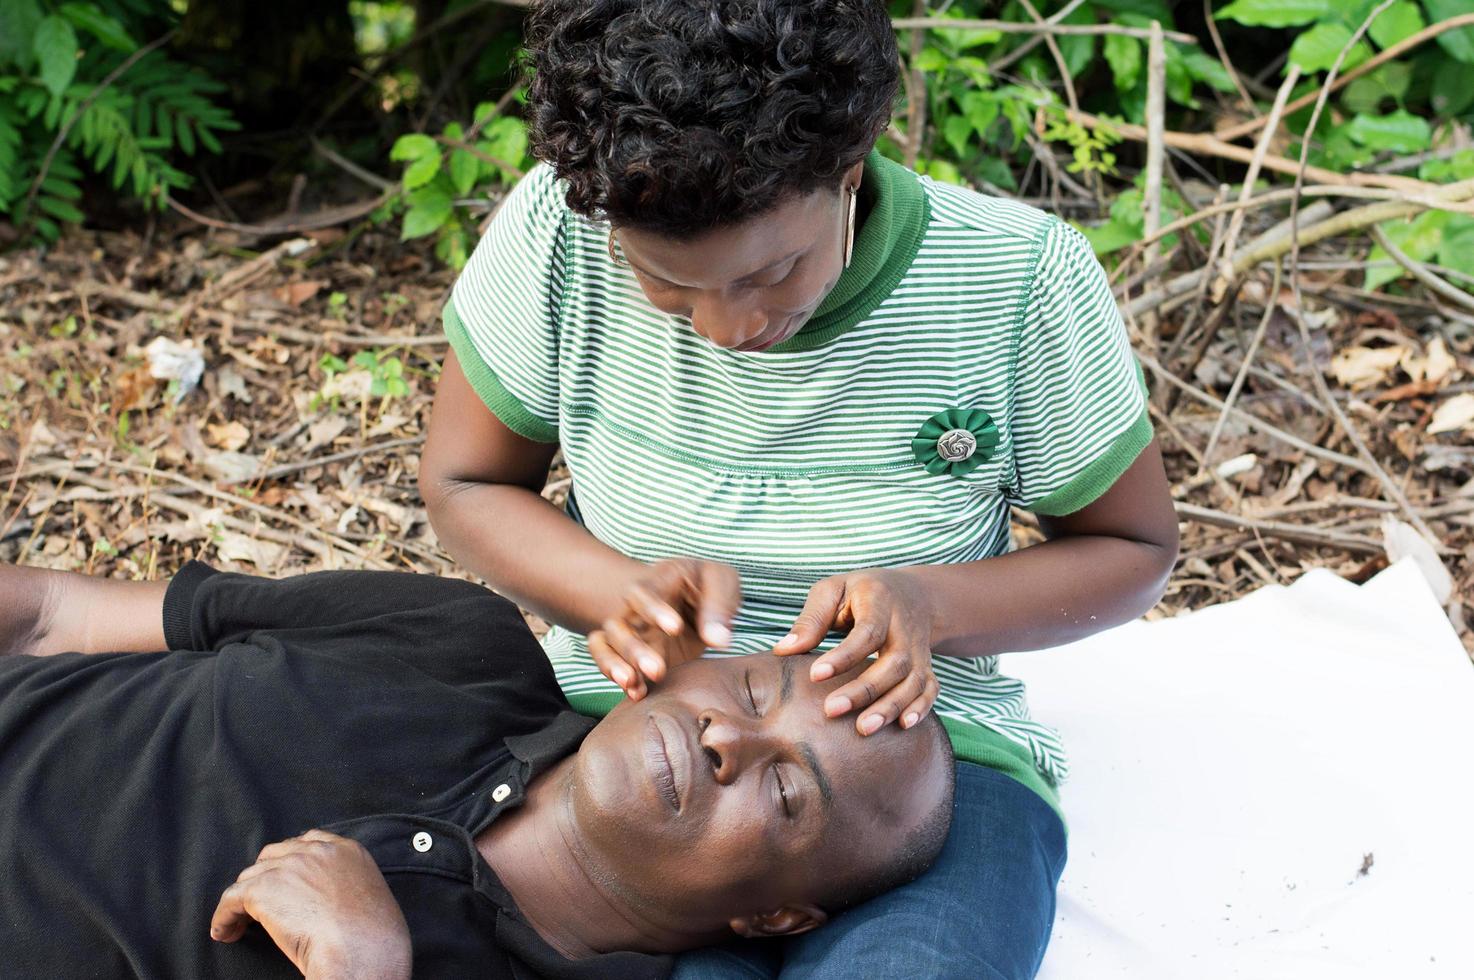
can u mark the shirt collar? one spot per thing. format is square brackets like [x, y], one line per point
[885, 246]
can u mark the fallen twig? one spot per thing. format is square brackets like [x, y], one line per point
[1013, 27]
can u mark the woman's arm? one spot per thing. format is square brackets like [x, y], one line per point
[481, 483]
[43, 612]
[1101, 566]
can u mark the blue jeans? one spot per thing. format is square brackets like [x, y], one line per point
[983, 911]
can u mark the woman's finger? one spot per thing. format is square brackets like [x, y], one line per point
[719, 594]
[634, 651]
[612, 666]
[864, 638]
[887, 708]
[814, 622]
[654, 609]
[864, 690]
[917, 709]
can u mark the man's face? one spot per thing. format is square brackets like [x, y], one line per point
[726, 791]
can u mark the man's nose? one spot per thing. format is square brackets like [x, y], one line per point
[731, 744]
[727, 324]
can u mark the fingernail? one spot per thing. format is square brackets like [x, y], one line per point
[836, 706]
[718, 635]
[622, 676]
[821, 672]
[870, 723]
[671, 624]
[650, 665]
[790, 638]
[910, 719]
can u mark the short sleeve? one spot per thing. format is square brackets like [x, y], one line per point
[1078, 416]
[502, 318]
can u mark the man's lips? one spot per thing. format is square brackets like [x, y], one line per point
[668, 758]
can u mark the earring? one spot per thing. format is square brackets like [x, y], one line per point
[621, 263]
[849, 235]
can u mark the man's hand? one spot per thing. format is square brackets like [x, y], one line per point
[886, 613]
[672, 614]
[325, 904]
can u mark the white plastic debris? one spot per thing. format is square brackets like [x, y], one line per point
[171, 360]
[1402, 540]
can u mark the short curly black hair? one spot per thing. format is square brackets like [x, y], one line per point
[681, 116]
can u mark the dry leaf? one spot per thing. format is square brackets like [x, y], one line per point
[234, 546]
[1440, 363]
[323, 432]
[297, 293]
[351, 387]
[230, 437]
[1358, 367]
[134, 388]
[230, 467]
[1453, 414]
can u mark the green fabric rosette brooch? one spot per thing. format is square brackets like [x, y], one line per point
[956, 441]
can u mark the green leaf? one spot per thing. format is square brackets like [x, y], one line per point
[18, 20]
[1078, 49]
[1111, 236]
[958, 132]
[429, 208]
[1452, 93]
[1207, 69]
[421, 172]
[1460, 166]
[1459, 43]
[464, 169]
[1419, 238]
[413, 146]
[1123, 54]
[1401, 20]
[1456, 247]
[1391, 80]
[1148, 10]
[60, 209]
[99, 25]
[997, 172]
[1399, 131]
[942, 170]
[55, 47]
[1318, 48]
[1274, 13]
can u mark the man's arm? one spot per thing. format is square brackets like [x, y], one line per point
[43, 612]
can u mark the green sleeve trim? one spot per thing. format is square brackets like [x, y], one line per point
[1098, 477]
[595, 704]
[971, 743]
[503, 404]
[985, 747]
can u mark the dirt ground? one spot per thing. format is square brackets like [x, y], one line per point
[298, 447]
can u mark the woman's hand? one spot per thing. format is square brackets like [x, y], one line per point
[325, 904]
[673, 613]
[887, 613]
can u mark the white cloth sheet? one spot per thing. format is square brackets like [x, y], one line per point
[1234, 768]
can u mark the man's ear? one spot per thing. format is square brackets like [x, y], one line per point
[789, 920]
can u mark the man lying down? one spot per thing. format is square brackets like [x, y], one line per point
[356, 774]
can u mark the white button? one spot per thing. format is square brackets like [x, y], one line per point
[501, 793]
[422, 842]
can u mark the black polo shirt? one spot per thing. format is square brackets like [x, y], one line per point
[405, 711]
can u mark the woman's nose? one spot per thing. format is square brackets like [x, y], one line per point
[725, 324]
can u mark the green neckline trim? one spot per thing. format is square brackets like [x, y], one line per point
[1100, 475]
[970, 742]
[503, 404]
[885, 246]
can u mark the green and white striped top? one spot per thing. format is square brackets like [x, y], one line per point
[798, 462]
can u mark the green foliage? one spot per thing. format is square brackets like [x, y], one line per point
[131, 131]
[445, 176]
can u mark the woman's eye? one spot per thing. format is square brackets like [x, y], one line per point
[782, 791]
[751, 701]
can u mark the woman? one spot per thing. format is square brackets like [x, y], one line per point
[798, 389]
